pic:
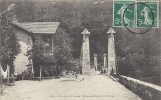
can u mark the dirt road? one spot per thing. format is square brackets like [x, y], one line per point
[96, 87]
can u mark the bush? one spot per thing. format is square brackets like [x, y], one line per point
[25, 75]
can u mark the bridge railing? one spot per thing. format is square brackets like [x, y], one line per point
[143, 89]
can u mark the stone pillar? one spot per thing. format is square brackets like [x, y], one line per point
[105, 62]
[95, 61]
[85, 53]
[111, 52]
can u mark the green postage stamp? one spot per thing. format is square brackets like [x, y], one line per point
[134, 13]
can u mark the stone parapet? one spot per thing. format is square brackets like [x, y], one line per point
[143, 89]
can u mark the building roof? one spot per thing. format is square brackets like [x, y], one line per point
[38, 27]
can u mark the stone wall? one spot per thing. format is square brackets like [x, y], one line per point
[24, 36]
[145, 90]
[26, 43]
[21, 60]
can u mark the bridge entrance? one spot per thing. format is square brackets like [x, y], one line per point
[85, 54]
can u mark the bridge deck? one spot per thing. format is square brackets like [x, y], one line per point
[96, 87]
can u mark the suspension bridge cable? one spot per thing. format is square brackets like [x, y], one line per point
[97, 28]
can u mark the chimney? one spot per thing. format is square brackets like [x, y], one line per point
[14, 19]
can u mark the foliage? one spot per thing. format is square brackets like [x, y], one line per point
[63, 49]
[50, 70]
[39, 54]
[26, 6]
[74, 65]
[9, 43]
[26, 74]
[38, 51]
[138, 55]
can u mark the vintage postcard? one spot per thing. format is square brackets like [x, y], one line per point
[80, 50]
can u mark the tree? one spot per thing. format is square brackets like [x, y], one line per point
[138, 55]
[25, 10]
[63, 48]
[9, 44]
[37, 53]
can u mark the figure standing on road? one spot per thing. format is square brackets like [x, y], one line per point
[111, 72]
[76, 74]
[104, 70]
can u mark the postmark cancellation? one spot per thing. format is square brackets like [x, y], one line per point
[136, 13]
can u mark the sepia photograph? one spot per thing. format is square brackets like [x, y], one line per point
[80, 50]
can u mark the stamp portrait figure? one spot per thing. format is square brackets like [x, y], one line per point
[145, 13]
[121, 12]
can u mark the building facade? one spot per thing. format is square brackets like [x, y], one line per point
[27, 32]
